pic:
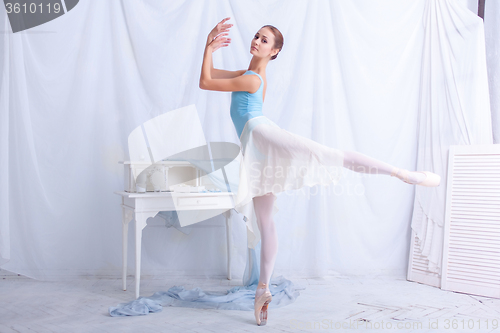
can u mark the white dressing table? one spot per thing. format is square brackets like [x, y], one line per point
[141, 206]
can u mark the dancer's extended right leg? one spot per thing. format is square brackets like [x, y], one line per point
[359, 162]
[287, 145]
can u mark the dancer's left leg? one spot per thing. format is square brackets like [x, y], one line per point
[263, 206]
[269, 247]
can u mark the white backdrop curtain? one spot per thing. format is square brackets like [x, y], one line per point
[492, 41]
[352, 75]
[454, 109]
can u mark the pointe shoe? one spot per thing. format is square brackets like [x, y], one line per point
[260, 305]
[431, 180]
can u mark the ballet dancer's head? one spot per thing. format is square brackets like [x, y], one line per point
[267, 42]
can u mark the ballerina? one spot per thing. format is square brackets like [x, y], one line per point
[265, 145]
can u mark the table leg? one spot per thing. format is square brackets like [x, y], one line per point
[126, 218]
[140, 223]
[227, 214]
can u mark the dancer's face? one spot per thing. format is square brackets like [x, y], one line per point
[262, 44]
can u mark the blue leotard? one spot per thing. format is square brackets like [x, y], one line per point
[245, 106]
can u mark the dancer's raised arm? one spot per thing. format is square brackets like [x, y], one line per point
[220, 80]
[220, 73]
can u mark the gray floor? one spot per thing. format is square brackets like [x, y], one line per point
[326, 304]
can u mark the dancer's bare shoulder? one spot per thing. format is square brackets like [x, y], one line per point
[243, 71]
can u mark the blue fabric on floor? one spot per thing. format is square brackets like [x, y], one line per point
[237, 298]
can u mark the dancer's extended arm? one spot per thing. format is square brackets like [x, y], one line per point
[223, 74]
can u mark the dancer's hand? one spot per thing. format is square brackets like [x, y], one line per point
[219, 28]
[218, 42]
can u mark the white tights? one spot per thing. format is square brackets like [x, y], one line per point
[263, 206]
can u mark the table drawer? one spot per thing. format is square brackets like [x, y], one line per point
[196, 201]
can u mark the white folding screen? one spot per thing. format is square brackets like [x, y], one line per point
[471, 248]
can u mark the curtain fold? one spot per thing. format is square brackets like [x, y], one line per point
[492, 41]
[4, 145]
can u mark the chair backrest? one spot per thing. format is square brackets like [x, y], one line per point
[168, 134]
[178, 136]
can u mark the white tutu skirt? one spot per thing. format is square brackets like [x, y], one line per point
[274, 161]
